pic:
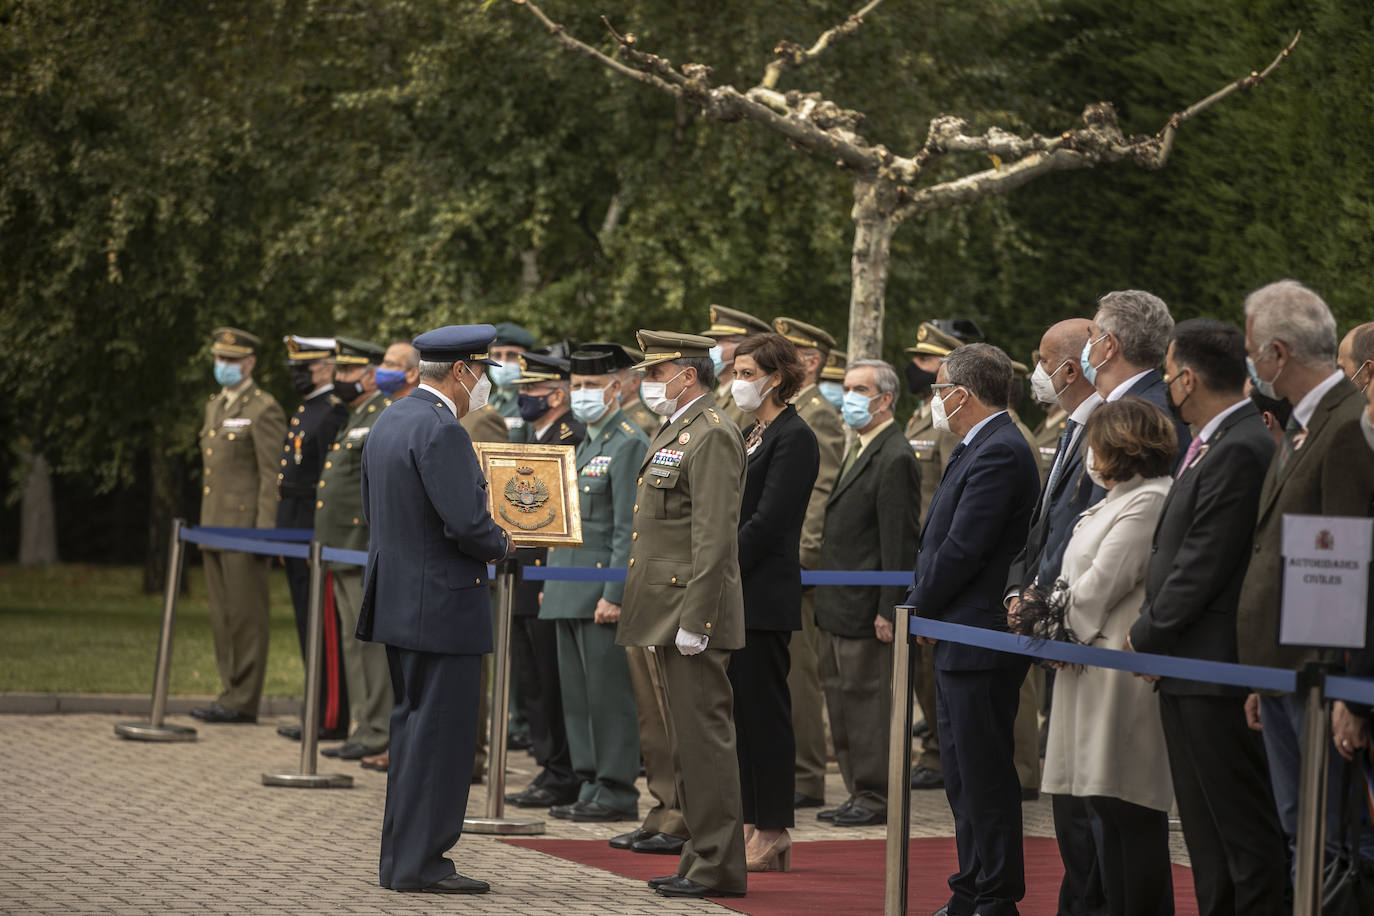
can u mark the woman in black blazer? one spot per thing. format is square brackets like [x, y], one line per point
[783, 461]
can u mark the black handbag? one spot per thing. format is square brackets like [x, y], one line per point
[1348, 880]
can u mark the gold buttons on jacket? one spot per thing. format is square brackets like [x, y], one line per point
[641, 481]
[673, 581]
[708, 626]
[326, 464]
[321, 483]
[634, 535]
[586, 489]
[207, 490]
[319, 504]
[355, 521]
[632, 559]
[636, 507]
[209, 452]
[334, 447]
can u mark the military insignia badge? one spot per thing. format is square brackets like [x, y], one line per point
[684, 438]
[667, 458]
[527, 494]
[532, 492]
[599, 466]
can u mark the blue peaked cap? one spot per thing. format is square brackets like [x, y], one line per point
[466, 342]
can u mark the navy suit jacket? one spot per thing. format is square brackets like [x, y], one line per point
[431, 534]
[974, 528]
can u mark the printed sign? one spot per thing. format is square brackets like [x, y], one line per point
[1326, 563]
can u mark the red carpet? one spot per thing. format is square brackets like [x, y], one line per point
[840, 877]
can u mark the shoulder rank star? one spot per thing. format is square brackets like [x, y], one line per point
[668, 458]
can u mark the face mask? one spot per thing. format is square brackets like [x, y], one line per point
[1090, 462]
[505, 374]
[348, 392]
[655, 395]
[938, 418]
[1358, 372]
[532, 406]
[854, 409]
[478, 394]
[832, 392]
[1085, 360]
[302, 380]
[228, 374]
[749, 395]
[1176, 407]
[1263, 387]
[589, 404]
[1042, 384]
[918, 380]
[718, 358]
[388, 380]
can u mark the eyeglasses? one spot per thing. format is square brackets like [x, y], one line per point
[943, 385]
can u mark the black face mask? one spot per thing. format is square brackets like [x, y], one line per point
[918, 380]
[532, 406]
[302, 380]
[348, 392]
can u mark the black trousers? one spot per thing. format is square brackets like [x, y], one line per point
[334, 713]
[764, 741]
[976, 711]
[1133, 856]
[1221, 783]
[1080, 891]
[433, 741]
[534, 653]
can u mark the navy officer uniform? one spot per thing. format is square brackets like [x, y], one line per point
[425, 597]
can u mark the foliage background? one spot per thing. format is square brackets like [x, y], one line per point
[376, 168]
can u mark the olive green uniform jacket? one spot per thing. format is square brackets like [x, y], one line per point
[339, 520]
[240, 446]
[825, 422]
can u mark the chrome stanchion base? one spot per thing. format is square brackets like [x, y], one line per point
[308, 780]
[146, 731]
[505, 826]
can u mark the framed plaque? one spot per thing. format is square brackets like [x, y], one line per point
[532, 492]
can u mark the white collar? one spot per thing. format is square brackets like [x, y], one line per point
[979, 425]
[448, 401]
[1303, 410]
[1119, 391]
[1210, 429]
[1083, 411]
[323, 389]
[683, 409]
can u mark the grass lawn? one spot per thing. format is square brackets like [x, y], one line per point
[90, 629]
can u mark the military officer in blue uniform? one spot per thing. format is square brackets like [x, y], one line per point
[598, 698]
[425, 598]
[308, 435]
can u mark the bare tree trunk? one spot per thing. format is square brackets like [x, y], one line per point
[37, 515]
[875, 220]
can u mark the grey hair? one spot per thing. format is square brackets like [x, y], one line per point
[1140, 321]
[432, 371]
[706, 369]
[984, 370]
[1294, 314]
[884, 376]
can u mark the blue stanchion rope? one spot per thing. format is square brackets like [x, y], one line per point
[293, 535]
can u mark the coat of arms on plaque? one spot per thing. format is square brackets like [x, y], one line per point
[532, 492]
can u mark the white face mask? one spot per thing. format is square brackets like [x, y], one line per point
[478, 394]
[1042, 384]
[938, 418]
[655, 395]
[1090, 462]
[749, 395]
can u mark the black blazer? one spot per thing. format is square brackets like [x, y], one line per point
[872, 521]
[1201, 550]
[782, 470]
[1052, 521]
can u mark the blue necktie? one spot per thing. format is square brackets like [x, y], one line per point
[1061, 457]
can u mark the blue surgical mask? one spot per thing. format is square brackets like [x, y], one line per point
[1263, 387]
[832, 392]
[854, 408]
[589, 404]
[1085, 360]
[228, 374]
[504, 375]
[717, 358]
[389, 380]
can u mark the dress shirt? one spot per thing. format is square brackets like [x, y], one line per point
[1119, 391]
[683, 409]
[977, 426]
[1212, 424]
[1303, 410]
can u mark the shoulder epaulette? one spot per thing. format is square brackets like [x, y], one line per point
[711, 412]
[627, 427]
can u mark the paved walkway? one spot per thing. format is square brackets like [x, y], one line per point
[95, 823]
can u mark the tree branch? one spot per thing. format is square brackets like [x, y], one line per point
[793, 56]
[572, 44]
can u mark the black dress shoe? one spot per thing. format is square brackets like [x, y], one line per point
[656, 883]
[659, 844]
[926, 778]
[597, 813]
[455, 884]
[806, 801]
[325, 734]
[565, 812]
[859, 816]
[830, 813]
[626, 840]
[351, 751]
[540, 797]
[682, 887]
[218, 715]
[518, 741]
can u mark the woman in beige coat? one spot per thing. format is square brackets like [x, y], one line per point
[1106, 744]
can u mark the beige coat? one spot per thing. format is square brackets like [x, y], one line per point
[1105, 734]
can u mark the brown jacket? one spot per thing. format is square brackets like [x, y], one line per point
[240, 447]
[825, 422]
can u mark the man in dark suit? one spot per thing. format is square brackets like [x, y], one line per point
[425, 597]
[1067, 492]
[1290, 339]
[870, 523]
[1197, 563]
[974, 527]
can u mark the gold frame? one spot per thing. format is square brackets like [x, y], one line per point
[553, 483]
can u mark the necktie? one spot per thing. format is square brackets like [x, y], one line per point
[1293, 433]
[1193, 448]
[850, 458]
[954, 456]
[1061, 457]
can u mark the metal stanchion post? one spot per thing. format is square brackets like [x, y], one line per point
[899, 765]
[307, 778]
[155, 729]
[1315, 748]
[507, 573]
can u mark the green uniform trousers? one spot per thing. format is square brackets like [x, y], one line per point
[647, 681]
[236, 586]
[808, 702]
[924, 683]
[856, 675]
[599, 713]
[700, 707]
[365, 666]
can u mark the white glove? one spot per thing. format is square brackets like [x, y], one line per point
[690, 643]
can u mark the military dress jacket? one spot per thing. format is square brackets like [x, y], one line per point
[239, 449]
[485, 425]
[931, 447]
[640, 415]
[432, 537]
[684, 553]
[308, 436]
[565, 430]
[828, 428]
[607, 468]
[339, 518]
